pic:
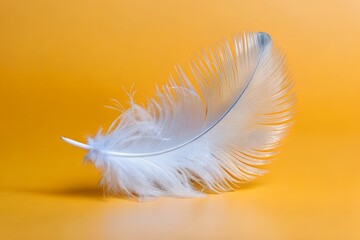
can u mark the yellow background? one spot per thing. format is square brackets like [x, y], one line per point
[61, 61]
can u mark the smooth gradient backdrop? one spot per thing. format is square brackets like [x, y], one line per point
[61, 61]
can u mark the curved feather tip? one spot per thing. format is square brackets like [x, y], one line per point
[209, 129]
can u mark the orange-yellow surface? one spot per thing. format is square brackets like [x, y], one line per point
[61, 61]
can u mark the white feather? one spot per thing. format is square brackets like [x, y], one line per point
[187, 140]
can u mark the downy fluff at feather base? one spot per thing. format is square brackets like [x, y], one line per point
[209, 130]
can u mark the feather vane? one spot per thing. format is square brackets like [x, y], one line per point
[210, 131]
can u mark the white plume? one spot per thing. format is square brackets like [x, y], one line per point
[211, 136]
